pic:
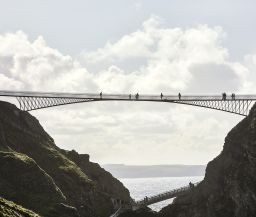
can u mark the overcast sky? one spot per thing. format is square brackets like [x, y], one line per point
[145, 46]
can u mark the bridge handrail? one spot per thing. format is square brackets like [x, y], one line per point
[164, 194]
[121, 96]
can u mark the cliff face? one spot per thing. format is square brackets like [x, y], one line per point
[229, 186]
[33, 169]
[24, 182]
[10, 209]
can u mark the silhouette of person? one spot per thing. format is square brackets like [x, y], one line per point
[191, 185]
[224, 96]
[161, 96]
[137, 96]
[130, 96]
[179, 95]
[233, 96]
[101, 95]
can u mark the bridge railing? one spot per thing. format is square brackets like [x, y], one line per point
[164, 195]
[122, 96]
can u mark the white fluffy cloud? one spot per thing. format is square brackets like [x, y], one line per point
[36, 66]
[152, 59]
[156, 58]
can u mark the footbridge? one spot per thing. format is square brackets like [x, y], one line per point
[135, 205]
[28, 100]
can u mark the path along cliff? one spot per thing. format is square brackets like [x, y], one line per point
[52, 182]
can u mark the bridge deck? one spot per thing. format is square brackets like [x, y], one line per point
[28, 100]
[161, 197]
[121, 96]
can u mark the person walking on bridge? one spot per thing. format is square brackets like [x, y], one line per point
[137, 96]
[233, 96]
[161, 96]
[179, 95]
[100, 95]
[224, 96]
[130, 96]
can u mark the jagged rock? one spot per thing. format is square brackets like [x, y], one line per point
[23, 181]
[146, 212]
[63, 210]
[21, 132]
[10, 209]
[105, 181]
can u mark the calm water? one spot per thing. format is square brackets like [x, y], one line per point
[141, 187]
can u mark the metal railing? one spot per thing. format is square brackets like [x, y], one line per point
[163, 196]
[121, 96]
[28, 100]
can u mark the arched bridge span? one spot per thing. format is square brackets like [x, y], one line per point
[28, 100]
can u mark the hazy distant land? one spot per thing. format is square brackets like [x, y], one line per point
[134, 171]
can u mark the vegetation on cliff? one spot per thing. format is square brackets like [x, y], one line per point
[23, 181]
[10, 209]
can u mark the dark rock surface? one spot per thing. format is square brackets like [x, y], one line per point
[64, 181]
[10, 209]
[23, 181]
[146, 212]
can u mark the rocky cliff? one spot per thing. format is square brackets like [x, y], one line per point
[10, 209]
[229, 186]
[38, 175]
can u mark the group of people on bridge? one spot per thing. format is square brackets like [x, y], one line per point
[224, 96]
[137, 96]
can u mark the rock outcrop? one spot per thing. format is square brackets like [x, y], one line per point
[10, 209]
[23, 181]
[229, 186]
[146, 212]
[33, 169]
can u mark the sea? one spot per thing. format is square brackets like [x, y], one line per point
[141, 187]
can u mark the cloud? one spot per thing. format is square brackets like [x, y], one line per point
[138, 5]
[157, 58]
[213, 78]
[152, 59]
[38, 67]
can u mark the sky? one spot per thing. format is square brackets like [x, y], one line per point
[145, 46]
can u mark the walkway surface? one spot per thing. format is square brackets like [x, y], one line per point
[29, 100]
